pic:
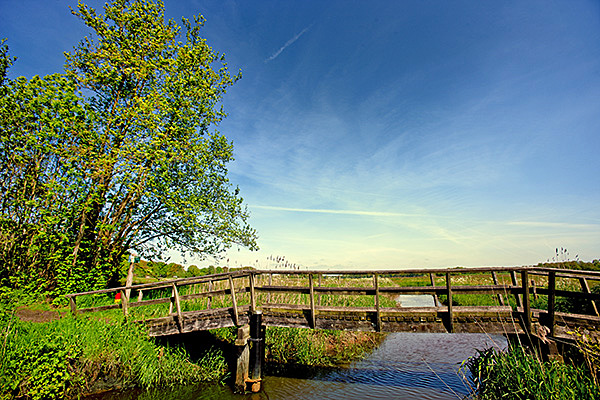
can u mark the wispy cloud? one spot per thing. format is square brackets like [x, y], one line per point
[288, 44]
[345, 212]
[538, 224]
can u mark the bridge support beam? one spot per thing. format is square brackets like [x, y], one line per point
[250, 355]
[257, 355]
[243, 359]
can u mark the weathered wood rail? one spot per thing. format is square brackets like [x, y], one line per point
[360, 300]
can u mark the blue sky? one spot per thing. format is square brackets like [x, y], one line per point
[393, 134]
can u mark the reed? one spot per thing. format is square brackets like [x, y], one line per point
[516, 374]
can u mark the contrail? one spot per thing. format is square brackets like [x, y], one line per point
[287, 44]
[539, 224]
[347, 212]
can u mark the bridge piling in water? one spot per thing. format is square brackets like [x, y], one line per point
[257, 355]
[243, 359]
[250, 355]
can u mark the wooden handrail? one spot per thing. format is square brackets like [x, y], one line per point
[377, 306]
[525, 300]
[167, 283]
[552, 300]
[313, 312]
[449, 300]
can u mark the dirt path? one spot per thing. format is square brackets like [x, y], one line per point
[27, 314]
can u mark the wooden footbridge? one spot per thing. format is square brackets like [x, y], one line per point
[527, 301]
[491, 300]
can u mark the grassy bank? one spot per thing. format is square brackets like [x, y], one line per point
[69, 357]
[518, 375]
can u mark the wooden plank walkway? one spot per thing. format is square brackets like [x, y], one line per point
[359, 301]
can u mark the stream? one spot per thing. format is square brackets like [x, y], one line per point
[404, 366]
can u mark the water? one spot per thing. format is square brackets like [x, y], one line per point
[416, 300]
[423, 366]
[405, 366]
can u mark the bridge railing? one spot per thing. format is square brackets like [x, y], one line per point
[324, 290]
[533, 294]
[183, 294]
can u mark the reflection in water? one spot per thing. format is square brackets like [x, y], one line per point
[405, 366]
[416, 300]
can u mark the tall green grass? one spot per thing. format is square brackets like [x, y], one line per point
[518, 375]
[322, 348]
[71, 356]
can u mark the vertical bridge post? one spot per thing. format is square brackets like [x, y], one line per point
[209, 300]
[377, 308]
[513, 278]
[495, 279]
[313, 312]
[435, 297]
[243, 359]
[320, 284]
[252, 293]
[552, 301]
[124, 304]
[526, 306]
[236, 319]
[257, 351]
[73, 304]
[586, 289]
[178, 307]
[449, 294]
[250, 358]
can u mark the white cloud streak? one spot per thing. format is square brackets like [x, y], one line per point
[345, 212]
[538, 224]
[287, 44]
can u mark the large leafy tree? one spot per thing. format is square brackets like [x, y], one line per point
[122, 150]
[40, 177]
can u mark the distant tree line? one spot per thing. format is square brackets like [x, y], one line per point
[160, 269]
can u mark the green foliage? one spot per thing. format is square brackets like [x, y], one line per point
[317, 347]
[515, 374]
[193, 270]
[116, 154]
[160, 269]
[67, 357]
[562, 263]
[37, 364]
[5, 61]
